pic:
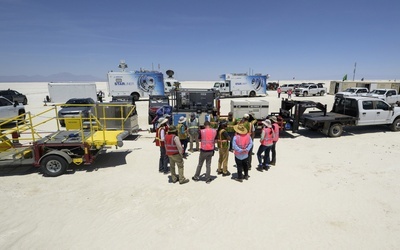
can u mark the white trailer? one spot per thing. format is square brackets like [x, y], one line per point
[241, 85]
[60, 92]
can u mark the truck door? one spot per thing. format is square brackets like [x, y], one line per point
[367, 113]
[391, 96]
[226, 88]
[382, 112]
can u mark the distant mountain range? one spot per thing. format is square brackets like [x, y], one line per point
[60, 77]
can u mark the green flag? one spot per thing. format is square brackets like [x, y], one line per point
[344, 77]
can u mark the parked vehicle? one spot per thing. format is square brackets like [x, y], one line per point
[286, 87]
[388, 95]
[76, 107]
[14, 95]
[238, 84]
[310, 89]
[353, 91]
[138, 84]
[60, 92]
[9, 109]
[170, 83]
[346, 111]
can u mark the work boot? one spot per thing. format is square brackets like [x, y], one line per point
[226, 174]
[219, 171]
[184, 181]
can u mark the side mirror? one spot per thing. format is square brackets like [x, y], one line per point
[16, 103]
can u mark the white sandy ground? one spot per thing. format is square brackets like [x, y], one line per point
[324, 193]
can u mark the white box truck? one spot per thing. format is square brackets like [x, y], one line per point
[60, 92]
[238, 84]
[134, 84]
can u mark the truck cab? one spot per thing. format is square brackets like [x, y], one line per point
[389, 95]
[353, 91]
[170, 84]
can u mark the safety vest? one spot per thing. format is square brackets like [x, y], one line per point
[242, 141]
[182, 136]
[158, 136]
[229, 127]
[276, 130]
[223, 142]
[193, 125]
[170, 146]
[208, 138]
[268, 137]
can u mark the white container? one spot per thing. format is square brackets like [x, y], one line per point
[260, 108]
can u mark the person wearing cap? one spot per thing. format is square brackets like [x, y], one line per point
[159, 140]
[266, 141]
[207, 137]
[223, 145]
[183, 133]
[174, 151]
[229, 128]
[193, 131]
[276, 128]
[241, 144]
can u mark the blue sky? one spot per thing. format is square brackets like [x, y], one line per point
[201, 40]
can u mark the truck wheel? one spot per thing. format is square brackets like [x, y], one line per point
[252, 94]
[53, 165]
[135, 96]
[25, 102]
[395, 125]
[322, 93]
[335, 130]
[305, 93]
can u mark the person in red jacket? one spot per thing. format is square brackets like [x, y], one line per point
[207, 139]
[174, 150]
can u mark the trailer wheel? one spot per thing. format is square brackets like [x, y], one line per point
[322, 93]
[53, 165]
[305, 93]
[252, 94]
[135, 96]
[395, 125]
[335, 130]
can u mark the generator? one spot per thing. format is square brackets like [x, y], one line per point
[260, 108]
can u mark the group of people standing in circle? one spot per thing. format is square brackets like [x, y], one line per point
[230, 135]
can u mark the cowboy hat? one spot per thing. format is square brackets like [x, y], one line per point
[162, 121]
[240, 129]
[182, 119]
[273, 118]
[267, 123]
[172, 129]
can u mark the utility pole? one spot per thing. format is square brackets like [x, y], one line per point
[354, 71]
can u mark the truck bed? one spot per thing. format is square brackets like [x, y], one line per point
[330, 116]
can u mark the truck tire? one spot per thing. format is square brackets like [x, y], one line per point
[53, 165]
[395, 125]
[135, 96]
[335, 130]
[305, 93]
[252, 94]
[25, 101]
[322, 93]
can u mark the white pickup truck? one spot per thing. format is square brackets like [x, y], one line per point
[353, 91]
[388, 95]
[310, 89]
[9, 109]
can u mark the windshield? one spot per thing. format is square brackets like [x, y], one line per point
[216, 85]
[80, 101]
[350, 90]
[378, 91]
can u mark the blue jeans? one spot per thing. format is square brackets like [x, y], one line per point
[263, 149]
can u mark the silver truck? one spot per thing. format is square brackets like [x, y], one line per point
[310, 89]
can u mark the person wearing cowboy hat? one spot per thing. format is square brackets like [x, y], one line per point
[183, 133]
[266, 141]
[159, 140]
[249, 121]
[174, 152]
[241, 143]
[276, 129]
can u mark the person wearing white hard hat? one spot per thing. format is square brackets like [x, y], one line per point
[266, 142]
[159, 140]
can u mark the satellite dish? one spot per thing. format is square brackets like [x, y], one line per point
[170, 73]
